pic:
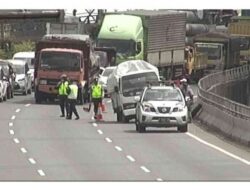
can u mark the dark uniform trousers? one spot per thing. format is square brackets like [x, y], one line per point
[64, 104]
[72, 108]
[96, 102]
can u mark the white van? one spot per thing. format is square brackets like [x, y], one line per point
[23, 77]
[29, 58]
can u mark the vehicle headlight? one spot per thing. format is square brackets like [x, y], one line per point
[44, 82]
[129, 106]
[178, 108]
[147, 107]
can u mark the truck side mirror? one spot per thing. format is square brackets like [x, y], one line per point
[138, 47]
[116, 89]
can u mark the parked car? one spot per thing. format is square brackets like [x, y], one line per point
[103, 77]
[161, 106]
[29, 58]
[3, 85]
[23, 77]
[10, 76]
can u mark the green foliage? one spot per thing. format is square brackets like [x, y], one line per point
[23, 46]
[3, 54]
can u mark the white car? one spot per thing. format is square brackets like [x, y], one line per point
[161, 106]
[23, 77]
[3, 86]
[103, 77]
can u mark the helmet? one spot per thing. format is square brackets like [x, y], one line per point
[183, 80]
[63, 76]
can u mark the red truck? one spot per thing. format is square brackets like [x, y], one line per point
[70, 54]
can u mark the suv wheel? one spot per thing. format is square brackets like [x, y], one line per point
[183, 128]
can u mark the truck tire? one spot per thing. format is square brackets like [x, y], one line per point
[183, 128]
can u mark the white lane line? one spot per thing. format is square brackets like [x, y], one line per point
[41, 173]
[23, 150]
[16, 140]
[10, 124]
[159, 179]
[100, 131]
[145, 169]
[32, 161]
[219, 149]
[94, 125]
[130, 158]
[108, 140]
[27, 105]
[18, 110]
[13, 117]
[11, 132]
[118, 148]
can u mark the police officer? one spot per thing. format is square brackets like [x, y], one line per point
[72, 99]
[62, 94]
[96, 92]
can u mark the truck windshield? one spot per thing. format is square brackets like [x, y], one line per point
[123, 47]
[60, 61]
[213, 51]
[133, 85]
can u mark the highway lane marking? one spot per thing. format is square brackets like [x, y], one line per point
[11, 131]
[18, 110]
[159, 179]
[219, 149]
[130, 158]
[108, 140]
[100, 131]
[41, 173]
[32, 161]
[10, 124]
[27, 105]
[145, 169]
[13, 117]
[118, 148]
[94, 125]
[23, 150]
[16, 140]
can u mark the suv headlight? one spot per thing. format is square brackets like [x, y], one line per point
[147, 107]
[178, 108]
[44, 82]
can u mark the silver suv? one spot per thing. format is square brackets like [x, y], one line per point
[161, 106]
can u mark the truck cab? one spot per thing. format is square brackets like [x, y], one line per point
[125, 34]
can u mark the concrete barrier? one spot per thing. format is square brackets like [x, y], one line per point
[228, 117]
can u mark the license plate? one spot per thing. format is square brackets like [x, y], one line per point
[164, 120]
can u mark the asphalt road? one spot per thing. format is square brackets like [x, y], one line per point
[36, 144]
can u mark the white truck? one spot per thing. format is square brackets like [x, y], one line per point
[126, 82]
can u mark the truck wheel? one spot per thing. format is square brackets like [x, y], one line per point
[183, 128]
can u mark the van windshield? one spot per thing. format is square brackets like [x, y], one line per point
[19, 69]
[60, 61]
[26, 59]
[123, 47]
[133, 85]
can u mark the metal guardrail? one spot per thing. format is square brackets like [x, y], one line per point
[207, 83]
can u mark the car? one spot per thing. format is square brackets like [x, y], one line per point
[103, 77]
[10, 76]
[23, 77]
[161, 106]
[3, 85]
[29, 57]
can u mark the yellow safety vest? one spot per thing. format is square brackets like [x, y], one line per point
[96, 91]
[63, 88]
[73, 92]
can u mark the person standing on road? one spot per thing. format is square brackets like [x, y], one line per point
[96, 92]
[62, 94]
[72, 99]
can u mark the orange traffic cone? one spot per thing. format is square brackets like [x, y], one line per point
[99, 112]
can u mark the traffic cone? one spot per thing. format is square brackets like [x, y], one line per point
[103, 107]
[99, 112]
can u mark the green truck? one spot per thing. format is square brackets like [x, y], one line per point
[157, 37]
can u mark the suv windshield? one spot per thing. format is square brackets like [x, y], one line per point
[162, 95]
[123, 47]
[60, 61]
[134, 84]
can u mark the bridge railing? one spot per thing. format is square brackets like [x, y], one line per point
[207, 83]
